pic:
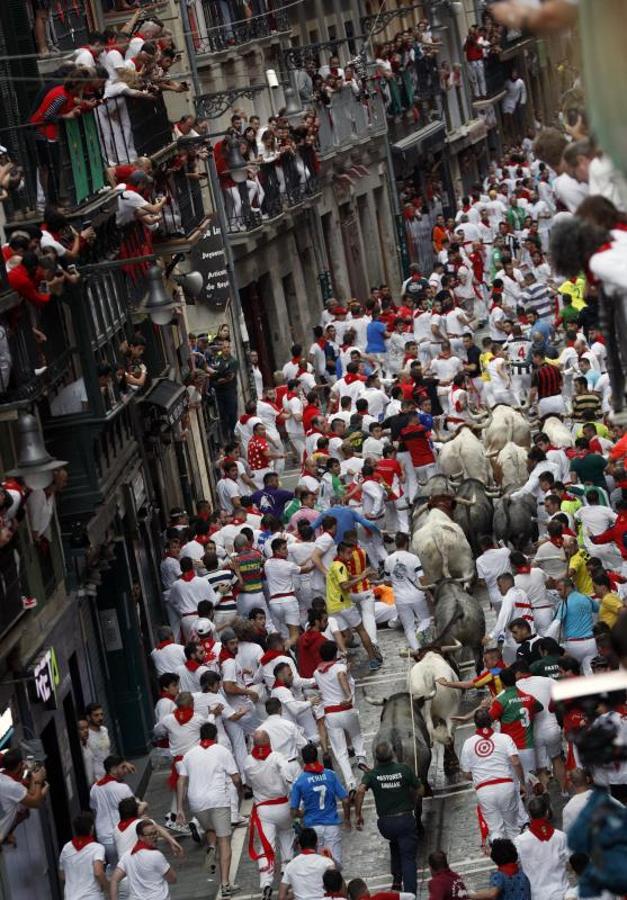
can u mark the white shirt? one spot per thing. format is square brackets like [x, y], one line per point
[209, 770]
[488, 757]
[168, 658]
[185, 596]
[404, 570]
[532, 485]
[70, 399]
[181, 737]
[280, 576]
[329, 685]
[128, 204]
[377, 401]
[516, 93]
[544, 864]
[509, 611]
[193, 550]
[326, 547]
[286, 737]
[268, 778]
[11, 793]
[295, 406]
[125, 840]
[100, 745]
[445, 369]
[304, 875]
[533, 585]
[490, 565]
[373, 447]
[571, 811]
[497, 316]
[595, 519]
[104, 800]
[227, 489]
[40, 510]
[569, 191]
[78, 869]
[144, 872]
[539, 686]
[170, 570]
[373, 499]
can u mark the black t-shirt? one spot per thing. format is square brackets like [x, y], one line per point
[473, 355]
[396, 424]
[528, 650]
[225, 378]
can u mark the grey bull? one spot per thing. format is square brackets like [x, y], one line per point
[459, 617]
[515, 522]
[474, 518]
[407, 735]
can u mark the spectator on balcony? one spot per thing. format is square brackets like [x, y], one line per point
[18, 244]
[58, 103]
[473, 51]
[120, 174]
[58, 233]
[133, 205]
[136, 371]
[166, 60]
[149, 31]
[40, 506]
[25, 278]
[514, 105]
[334, 69]
[90, 54]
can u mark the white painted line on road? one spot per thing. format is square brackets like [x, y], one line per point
[238, 839]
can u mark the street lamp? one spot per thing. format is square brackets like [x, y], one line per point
[160, 305]
[191, 282]
[35, 465]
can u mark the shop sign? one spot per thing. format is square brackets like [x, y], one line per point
[207, 256]
[47, 678]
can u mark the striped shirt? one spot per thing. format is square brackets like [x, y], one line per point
[250, 565]
[586, 402]
[548, 380]
[537, 298]
[356, 565]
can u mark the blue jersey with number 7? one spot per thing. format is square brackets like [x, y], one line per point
[318, 793]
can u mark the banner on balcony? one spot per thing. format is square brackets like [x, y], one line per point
[208, 258]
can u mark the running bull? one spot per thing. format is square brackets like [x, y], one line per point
[458, 617]
[441, 544]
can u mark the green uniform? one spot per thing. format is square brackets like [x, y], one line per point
[389, 784]
[548, 667]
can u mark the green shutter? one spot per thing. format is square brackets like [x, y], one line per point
[77, 160]
[94, 154]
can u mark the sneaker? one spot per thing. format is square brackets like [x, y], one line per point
[193, 830]
[182, 830]
[374, 664]
[239, 822]
[210, 860]
[377, 652]
[266, 894]
[227, 890]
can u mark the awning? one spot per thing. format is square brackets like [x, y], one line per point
[170, 399]
[467, 135]
[425, 138]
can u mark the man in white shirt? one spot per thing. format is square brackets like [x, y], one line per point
[488, 757]
[268, 775]
[532, 581]
[403, 571]
[280, 573]
[16, 797]
[293, 705]
[293, 410]
[445, 367]
[514, 606]
[543, 853]
[595, 519]
[286, 737]
[228, 490]
[206, 771]
[373, 498]
[98, 740]
[182, 729]
[580, 783]
[493, 562]
[104, 798]
[303, 875]
[192, 670]
[82, 863]
[147, 870]
[167, 655]
[186, 593]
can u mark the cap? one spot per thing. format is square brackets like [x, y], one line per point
[204, 627]
[227, 634]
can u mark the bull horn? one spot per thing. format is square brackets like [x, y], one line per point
[449, 648]
[465, 502]
[493, 493]
[429, 587]
[374, 701]
[421, 509]
[492, 455]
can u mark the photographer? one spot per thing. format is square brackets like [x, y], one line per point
[20, 790]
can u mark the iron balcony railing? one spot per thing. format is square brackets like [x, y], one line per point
[220, 24]
[349, 119]
[68, 24]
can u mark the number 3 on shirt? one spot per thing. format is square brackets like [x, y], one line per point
[322, 790]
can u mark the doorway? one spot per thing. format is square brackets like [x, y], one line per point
[56, 780]
[69, 711]
[256, 318]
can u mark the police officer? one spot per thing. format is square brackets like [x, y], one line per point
[395, 788]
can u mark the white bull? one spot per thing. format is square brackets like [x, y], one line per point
[443, 549]
[440, 703]
[505, 425]
[511, 466]
[464, 457]
[559, 434]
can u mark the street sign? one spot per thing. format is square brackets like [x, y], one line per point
[208, 258]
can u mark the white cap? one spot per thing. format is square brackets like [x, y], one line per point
[204, 627]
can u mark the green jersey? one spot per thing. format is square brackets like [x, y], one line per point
[548, 667]
[516, 711]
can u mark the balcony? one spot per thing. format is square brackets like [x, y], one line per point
[184, 211]
[68, 25]
[278, 190]
[11, 609]
[348, 121]
[218, 26]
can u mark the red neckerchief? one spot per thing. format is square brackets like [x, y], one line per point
[141, 845]
[351, 377]
[80, 842]
[192, 664]
[308, 852]
[316, 767]
[542, 829]
[225, 653]
[163, 695]
[277, 683]
[187, 576]
[124, 823]
[183, 714]
[296, 361]
[557, 541]
[163, 644]
[243, 419]
[322, 343]
[261, 752]
[206, 743]
[523, 570]
[325, 666]
[202, 539]
[509, 868]
[107, 779]
[269, 655]
[291, 394]
[485, 732]
[207, 645]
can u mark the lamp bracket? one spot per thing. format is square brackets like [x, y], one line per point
[212, 106]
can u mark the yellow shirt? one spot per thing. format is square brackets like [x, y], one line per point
[484, 359]
[609, 608]
[581, 577]
[601, 429]
[576, 290]
[337, 599]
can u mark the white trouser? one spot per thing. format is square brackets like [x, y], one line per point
[238, 743]
[364, 600]
[413, 615]
[527, 761]
[306, 720]
[339, 724]
[443, 394]
[583, 652]
[304, 595]
[499, 805]
[298, 443]
[285, 612]
[397, 515]
[246, 602]
[373, 544]
[424, 353]
[173, 617]
[542, 618]
[548, 743]
[549, 405]
[411, 484]
[276, 822]
[609, 554]
[330, 838]
[115, 131]
[476, 73]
